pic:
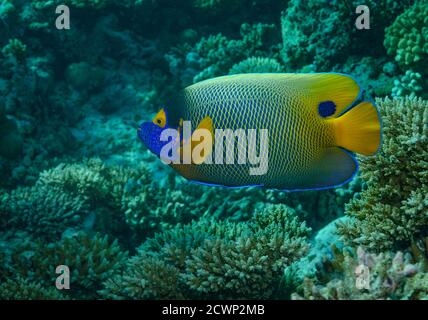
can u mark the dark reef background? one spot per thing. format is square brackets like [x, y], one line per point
[77, 188]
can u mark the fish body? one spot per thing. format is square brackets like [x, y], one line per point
[310, 123]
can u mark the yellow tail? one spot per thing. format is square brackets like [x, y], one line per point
[358, 130]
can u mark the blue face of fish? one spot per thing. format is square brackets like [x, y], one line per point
[150, 132]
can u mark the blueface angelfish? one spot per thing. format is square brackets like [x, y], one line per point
[313, 120]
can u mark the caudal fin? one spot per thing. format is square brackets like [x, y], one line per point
[359, 129]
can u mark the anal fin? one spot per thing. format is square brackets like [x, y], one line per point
[333, 168]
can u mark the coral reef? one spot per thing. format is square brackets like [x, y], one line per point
[389, 276]
[23, 289]
[78, 188]
[91, 261]
[410, 84]
[215, 260]
[257, 65]
[42, 211]
[393, 209]
[407, 38]
[214, 55]
[322, 32]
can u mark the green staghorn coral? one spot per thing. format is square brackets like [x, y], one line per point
[257, 65]
[88, 195]
[130, 198]
[215, 260]
[393, 209]
[44, 212]
[6, 8]
[181, 201]
[218, 53]
[15, 49]
[91, 261]
[23, 289]
[251, 262]
[407, 38]
[214, 55]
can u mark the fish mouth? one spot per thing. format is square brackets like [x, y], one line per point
[140, 134]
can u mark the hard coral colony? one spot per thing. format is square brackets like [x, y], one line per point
[78, 189]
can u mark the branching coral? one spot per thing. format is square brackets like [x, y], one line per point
[91, 260]
[190, 201]
[23, 289]
[113, 192]
[217, 53]
[250, 262]
[257, 65]
[15, 49]
[357, 274]
[393, 209]
[198, 242]
[216, 260]
[44, 212]
[322, 32]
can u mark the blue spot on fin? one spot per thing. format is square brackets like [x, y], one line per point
[326, 108]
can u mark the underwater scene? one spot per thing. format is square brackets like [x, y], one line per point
[213, 149]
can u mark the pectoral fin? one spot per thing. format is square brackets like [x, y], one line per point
[201, 144]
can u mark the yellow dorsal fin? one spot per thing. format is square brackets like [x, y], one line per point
[342, 89]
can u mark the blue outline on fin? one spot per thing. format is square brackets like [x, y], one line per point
[372, 101]
[357, 167]
[349, 153]
[223, 186]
